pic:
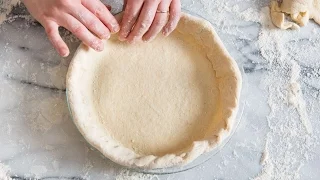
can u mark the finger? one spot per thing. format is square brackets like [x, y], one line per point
[79, 30]
[174, 17]
[102, 12]
[91, 22]
[159, 22]
[145, 20]
[130, 16]
[55, 38]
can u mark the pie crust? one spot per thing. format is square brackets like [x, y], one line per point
[157, 104]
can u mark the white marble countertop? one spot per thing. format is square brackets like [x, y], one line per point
[278, 136]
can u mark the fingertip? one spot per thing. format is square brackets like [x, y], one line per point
[116, 28]
[166, 31]
[97, 45]
[148, 39]
[130, 41]
[106, 36]
[64, 52]
[56, 40]
[133, 40]
[163, 33]
[171, 26]
[145, 39]
[122, 35]
[121, 38]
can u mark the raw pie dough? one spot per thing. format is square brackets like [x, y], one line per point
[156, 104]
[300, 11]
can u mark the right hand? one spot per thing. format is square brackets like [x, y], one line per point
[143, 21]
[89, 20]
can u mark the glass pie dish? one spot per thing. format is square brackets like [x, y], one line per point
[204, 157]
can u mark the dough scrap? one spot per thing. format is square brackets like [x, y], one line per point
[158, 104]
[300, 12]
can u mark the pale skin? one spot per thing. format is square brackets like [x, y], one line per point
[91, 21]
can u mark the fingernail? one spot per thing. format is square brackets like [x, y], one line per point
[64, 52]
[151, 38]
[133, 41]
[98, 45]
[165, 32]
[106, 36]
[116, 28]
[147, 40]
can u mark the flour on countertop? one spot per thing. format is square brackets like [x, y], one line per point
[249, 14]
[4, 172]
[129, 175]
[265, 155]
[5, 8]
[290, 138]
[38, 170]
[295, 96]
[47, 113]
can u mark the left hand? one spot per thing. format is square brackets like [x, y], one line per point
[144, 19]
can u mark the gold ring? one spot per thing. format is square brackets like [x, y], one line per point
[159, 11]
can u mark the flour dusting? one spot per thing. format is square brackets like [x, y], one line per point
[4, 172]
[129, 175]
[290, 142]
[249, 14]
[47, 113]
[290, 138]
[296, 97]
[6, 7]
[38, 170]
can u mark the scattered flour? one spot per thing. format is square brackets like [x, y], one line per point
[265, 155]
[4, 172]
[296, 97]
[5, 8]
[47, 113]
[129, 175]
[249, 14]
[38, 170]
[290, 138]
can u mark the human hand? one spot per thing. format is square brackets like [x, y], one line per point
[144, 19]
[89, 20]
